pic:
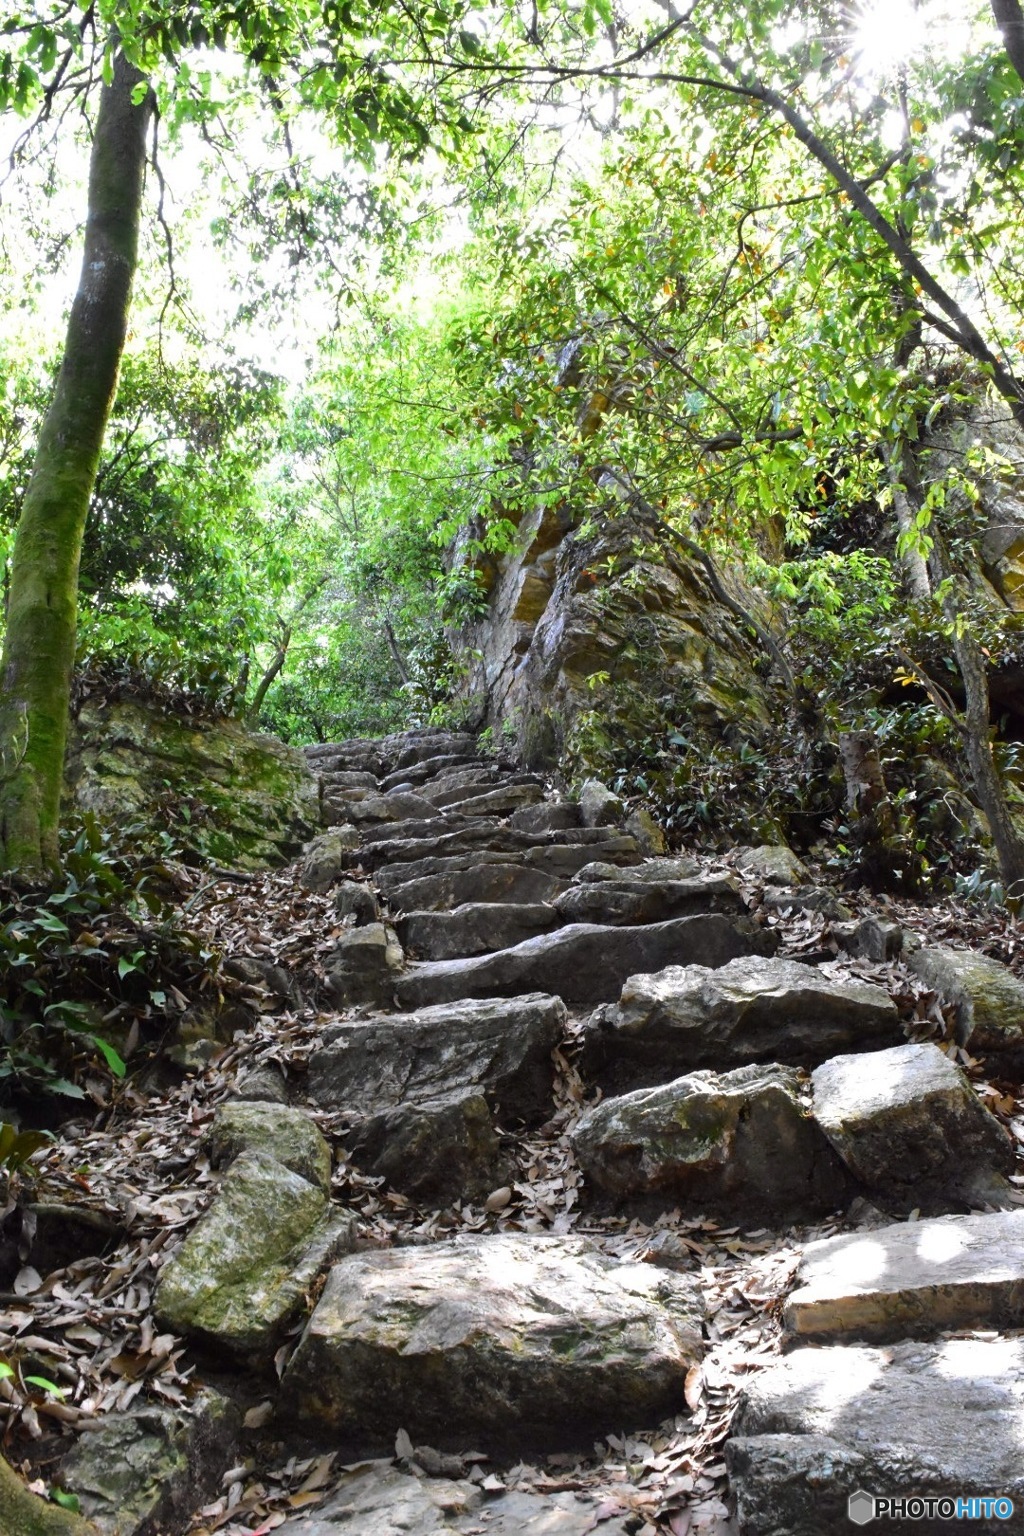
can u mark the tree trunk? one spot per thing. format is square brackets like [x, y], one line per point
[988, 786]
[1010, 21]
[25, 1514]
[39, 646]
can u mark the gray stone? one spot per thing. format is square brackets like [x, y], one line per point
[940, 1420]
[498, 883]
[740, 1141]
[807, 898]
[564, 859]
[871, 938]
[364, 965]
[624, 900]
[506, 1340]
[379, 1499]
[771, 864]
[678, 868]
[989, 998]
[241, 1275]
[908, 1124]
[326, 857]
[501, 801]
[394, 806]
[599, 805]
[583, 963]
[650, 837]
[350, 779]
[352, 899]
[149, 1469]
[435, 1151]
[436, 770]
[475, 928]
[502, 1049]
[262, 1084]
[287, 1135]
[553, 816]
[561, 860]
[750, 1010]
[912, 1280]
[275, 980]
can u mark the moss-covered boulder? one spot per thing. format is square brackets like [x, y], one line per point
[287, 1135]
[241, 799]
[241, 1275]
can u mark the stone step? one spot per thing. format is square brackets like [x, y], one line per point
[434, 824]
[484, 833]
[683, 1018]
[433, 769]
[348, 780]
[583, 963]
[503, 1342]
[631, 902]
[376, 1498]
[559, 860]
[499, 802]
[499, 883]
[740, 1142]
[550, 816]
[822, 1425]
[909, 1125]
[476, 928]
[911, 1280]
[442, 792]
[371, 810]
[501, 1048]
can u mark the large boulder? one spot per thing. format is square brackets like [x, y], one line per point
[508, 1340]
[908, 1125]
[916, 1278]
[988, 997]
[242, 1273]
[752, 1009]
[939, 1421]
[499, 1048]
[742, 1142]
[252, 801]
[584, 962]
[148, 1469]
[772, 864]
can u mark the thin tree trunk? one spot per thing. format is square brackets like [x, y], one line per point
[988, 785]
[1010, 21]
[25, 1514]
[39, 646]
[280, 657]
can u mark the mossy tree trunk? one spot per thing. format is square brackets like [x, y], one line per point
[25, 1514]
[39, 646]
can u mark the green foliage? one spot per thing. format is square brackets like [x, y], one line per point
[86, 969]
[17, 1148]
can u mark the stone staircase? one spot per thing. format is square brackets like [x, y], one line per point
[489, 923]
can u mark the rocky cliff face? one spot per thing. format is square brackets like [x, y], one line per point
[242, 799]
[590, 624]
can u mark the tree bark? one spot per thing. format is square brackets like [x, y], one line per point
[1010, 21]
[25, 1514]
[39, 646]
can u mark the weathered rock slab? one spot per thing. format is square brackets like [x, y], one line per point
[989, 998]
[241, 1274]
[752, 1009]
[625, 901]
[740, 1141]
[584, 962]
[379, 1499]
[500, 1048]
[772, 864]
[908, 1125]
[436, 1151]
[498, 883]
[939, 1420]
[364, 965]
[475, 928]
[149, 1469]
[511, 1340]
[911, 1280]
